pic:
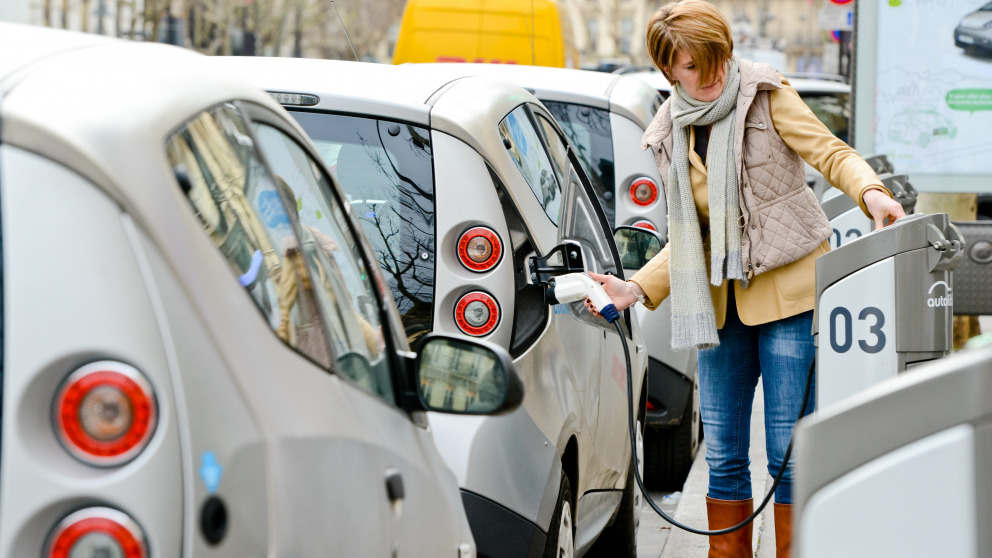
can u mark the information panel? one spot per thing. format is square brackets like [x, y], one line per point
[923, 90]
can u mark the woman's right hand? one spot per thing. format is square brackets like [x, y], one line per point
[617, 289]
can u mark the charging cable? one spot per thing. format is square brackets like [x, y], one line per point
[573, 287]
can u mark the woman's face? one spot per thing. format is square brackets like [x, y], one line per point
[686, 73]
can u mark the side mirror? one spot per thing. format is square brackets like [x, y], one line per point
[636, 245]
[466, 377]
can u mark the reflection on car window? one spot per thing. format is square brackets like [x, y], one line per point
[344, 285]
[556, 147]
[530, 157]
[386, 171]
[588, 130]
[244, 213]
[833, 109]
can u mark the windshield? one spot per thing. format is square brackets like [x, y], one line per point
[386, 171]
[833, 109]
[588, 130]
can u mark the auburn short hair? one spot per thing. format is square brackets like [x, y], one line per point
[694, 26]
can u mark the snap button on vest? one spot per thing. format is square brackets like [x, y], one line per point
[761, 125]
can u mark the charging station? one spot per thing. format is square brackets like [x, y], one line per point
[903, 470]
[883, 304]
[847, 219]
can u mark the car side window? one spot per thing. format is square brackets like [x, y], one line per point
[343, 282]
[556, 146]
[525, 148]
[244, 213]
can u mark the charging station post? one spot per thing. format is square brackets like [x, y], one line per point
[847, 219]
[884, 303]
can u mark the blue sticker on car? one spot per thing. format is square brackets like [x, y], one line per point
[210, 471]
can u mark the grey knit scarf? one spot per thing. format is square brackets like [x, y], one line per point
[693, 317]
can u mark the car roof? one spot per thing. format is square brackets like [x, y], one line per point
[559, 84]
[657, 80]
[83, 101]
[361, 87]
[813, 85]
[464, 106]
[614, 92]
[653, 78]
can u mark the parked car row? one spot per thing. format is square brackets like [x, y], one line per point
[247, 333]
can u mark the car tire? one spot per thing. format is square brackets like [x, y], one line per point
[620, 539]
[561, 531]
[670, 451]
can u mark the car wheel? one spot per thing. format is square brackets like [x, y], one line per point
[923, 140]
[620, 538]
[669, 451]
[561, 533]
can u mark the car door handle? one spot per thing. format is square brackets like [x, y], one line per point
[394, 485]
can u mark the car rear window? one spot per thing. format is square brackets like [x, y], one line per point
[833, 109]
[588, 130]
[386, 171]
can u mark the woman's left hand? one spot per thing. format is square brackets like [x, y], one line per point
[882, 208]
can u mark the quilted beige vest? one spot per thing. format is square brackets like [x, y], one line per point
[782, 219]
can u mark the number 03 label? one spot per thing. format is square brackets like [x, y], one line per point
[857, 333]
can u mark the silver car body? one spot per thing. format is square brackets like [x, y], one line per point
[574, 415]
[122, 269]
[631, 105]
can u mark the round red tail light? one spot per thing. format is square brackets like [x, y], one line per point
[643, 191]
[105, 413]
[477, 313]
[645, 224]
[97, 532]
[479, 249]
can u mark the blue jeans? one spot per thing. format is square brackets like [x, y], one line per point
[782, 352]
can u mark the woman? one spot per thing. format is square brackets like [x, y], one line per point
[744, 234]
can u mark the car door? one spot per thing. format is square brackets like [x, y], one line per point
[422, 522]
[327, 458]
[542, 159]
[583, 222]
[582, 347]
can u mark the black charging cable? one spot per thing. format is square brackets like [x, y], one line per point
[633, 446]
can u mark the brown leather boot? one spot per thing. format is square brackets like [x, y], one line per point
[783, 530]
[727, 513]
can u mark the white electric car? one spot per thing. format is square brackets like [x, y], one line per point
[604, 116]
[468, 190]
[199, 354]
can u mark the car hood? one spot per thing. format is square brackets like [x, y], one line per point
[976, 20]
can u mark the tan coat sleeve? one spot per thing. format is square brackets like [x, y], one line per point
[653, 279]
[840, 164]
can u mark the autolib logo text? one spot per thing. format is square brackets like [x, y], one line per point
[940, 301]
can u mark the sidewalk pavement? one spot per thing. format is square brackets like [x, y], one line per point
[691, 509]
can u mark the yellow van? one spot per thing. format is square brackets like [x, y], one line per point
[532, 32]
